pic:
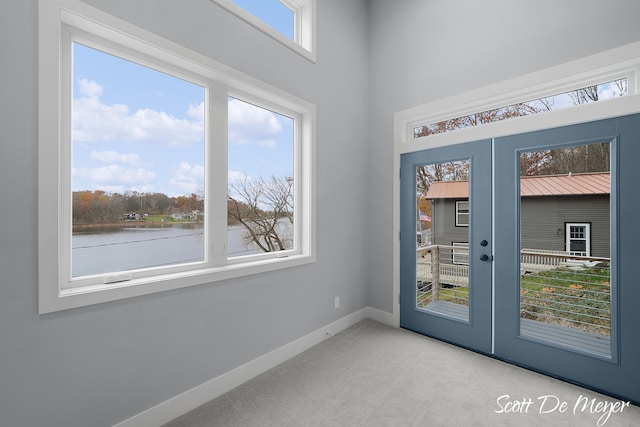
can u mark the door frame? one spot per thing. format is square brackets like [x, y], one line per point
[616, 374]
[623, 61]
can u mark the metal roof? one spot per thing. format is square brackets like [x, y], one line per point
[532, 186]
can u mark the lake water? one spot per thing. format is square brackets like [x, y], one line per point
[106, 250]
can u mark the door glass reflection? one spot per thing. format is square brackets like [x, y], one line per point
[442, 238]
[565, 264]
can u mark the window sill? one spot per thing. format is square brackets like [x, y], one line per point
[89, 295]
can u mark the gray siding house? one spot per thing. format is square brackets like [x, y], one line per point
[557, 212]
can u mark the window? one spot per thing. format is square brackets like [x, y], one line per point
[275, 13]
[461, 253]
[261, 202]
[462, 213]
[138, 165]
[591, 88]
[578, 239]
[291, 22]
[150, 163]
[583, 95]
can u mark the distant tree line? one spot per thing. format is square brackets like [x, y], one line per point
[101, 207]
[264, 208]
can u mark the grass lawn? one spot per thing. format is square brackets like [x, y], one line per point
[160, 218]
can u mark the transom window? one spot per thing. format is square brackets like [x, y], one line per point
[160, 170]
[583, 95]
[291, 22]
[276, 13]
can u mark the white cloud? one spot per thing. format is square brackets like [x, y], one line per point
[234, 177]
[608, 91]
[89, 88]
[188, 178]
[196, 112]
[95, 121]
[116, 175]
[251, 124]
[132, 159]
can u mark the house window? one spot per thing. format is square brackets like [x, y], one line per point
[462, 213]
[291, 22]
[578, 239]
[140, 153]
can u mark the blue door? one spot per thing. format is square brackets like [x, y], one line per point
[446, 245]
[526, 250]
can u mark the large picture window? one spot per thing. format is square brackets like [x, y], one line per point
[137, 168]
[160, 168]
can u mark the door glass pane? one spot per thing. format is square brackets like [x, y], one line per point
[442, 244]
[565, 273]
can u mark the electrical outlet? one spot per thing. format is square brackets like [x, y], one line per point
[336, 302]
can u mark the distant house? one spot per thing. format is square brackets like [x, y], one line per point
[558, 212]
[185, 216]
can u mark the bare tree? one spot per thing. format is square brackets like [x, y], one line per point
[260, 207]
[584, 95]
[448, 171]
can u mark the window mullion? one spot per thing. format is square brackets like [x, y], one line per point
[217, 178]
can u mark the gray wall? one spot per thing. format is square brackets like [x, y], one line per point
[422, 51]
[102, 364]
[98, 365]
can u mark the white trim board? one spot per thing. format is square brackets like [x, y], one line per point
[199, 395]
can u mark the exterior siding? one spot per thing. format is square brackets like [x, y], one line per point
[444, 230]
[541, 218]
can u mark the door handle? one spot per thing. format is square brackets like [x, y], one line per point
[484, 257]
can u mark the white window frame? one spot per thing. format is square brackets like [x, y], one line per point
[461, 253]
[458, 213]
[621, 62]
[304, 19]
[587, 238]
[60, 23]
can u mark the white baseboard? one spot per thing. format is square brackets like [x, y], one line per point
[191, 399]
[380, 316]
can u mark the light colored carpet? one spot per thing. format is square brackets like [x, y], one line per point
[375, 375]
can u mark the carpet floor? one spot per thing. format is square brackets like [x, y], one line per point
[375, 375]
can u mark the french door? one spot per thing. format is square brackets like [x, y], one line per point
[525, 249]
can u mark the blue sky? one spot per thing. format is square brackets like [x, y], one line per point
[271, 12]
[136, 129]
